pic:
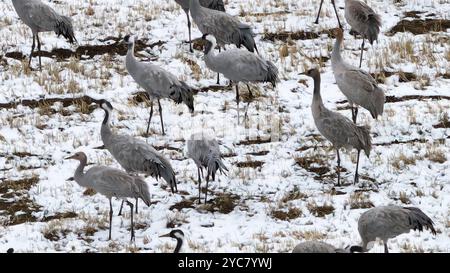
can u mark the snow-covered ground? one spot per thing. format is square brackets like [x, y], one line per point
[287, 194]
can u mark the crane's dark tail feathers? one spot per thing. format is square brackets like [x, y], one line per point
[364, 139]
[144, 192]
[217, 5]
[373, 29]
[165, 171]
[183, 93]
[272, 74]
[377, 101]
[419, 220]
[215, 164]
[169, 176]
[64, 27]
[247, 38]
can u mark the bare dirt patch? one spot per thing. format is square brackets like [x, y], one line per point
[16, 205]
[420, 26]
[85, 52]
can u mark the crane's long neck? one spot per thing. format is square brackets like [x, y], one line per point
[130, 59]
[336, 58]
[79, 173]
[210, 55]
[317, 98]
[194, 8]
[179, 245]
[105, 131]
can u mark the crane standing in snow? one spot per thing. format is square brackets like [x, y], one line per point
[386, 222]
[239, 66]
[111, 183]
[339, 130]
[224, 27]
[42, 18]
[134, 155]
[358, 86]
[205, 152]
[157, 82]
[210, 4]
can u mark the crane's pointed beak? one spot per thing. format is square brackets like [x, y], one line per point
[165, 235]
[70, 157]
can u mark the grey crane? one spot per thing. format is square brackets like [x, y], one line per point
[226, 28]
[177, 235]
[157, 82]
[339, 130]
[335, 11]
[42, 18]
[210, 4]
[386, 222]
[358, 86]
[317, 247]
[111, 182]
[205, 152]
[362, 20]
[239, 66]
[134, 155]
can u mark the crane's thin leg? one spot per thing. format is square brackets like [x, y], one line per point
[335, 11]
[137, 200]
[189, 30]
[110, 218]
[32, 50]
[39, 51]
[150, 118]
[218, 77]
[206, 191]
[120, 210]
[354, 113]
[199, 186]
[318, 14]
[386, 248]
[132, 223]
[357, 166]
[237, 99]
[161, 117]
[249, 91]
[362, 51]
[338, 167]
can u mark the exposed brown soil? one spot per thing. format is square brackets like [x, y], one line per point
[250, 164]
[391, 99]
[85, 52]
[15, 202]
[261, 153]
[258, 140]
[223, 203]
[85, 103]
[413, 14]
[292, 213]
[184, 204]
[60, 215]
[319, 167]
[420, 26]
[297, 35]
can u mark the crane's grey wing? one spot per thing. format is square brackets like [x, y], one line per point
[359, 11]
[152, 77]
[362, 80]
[337, 128]
[241, 65]
[314, 247]
[112, 182]
[42, 16]
[221, 25]
[212, 4]
[135, 155]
